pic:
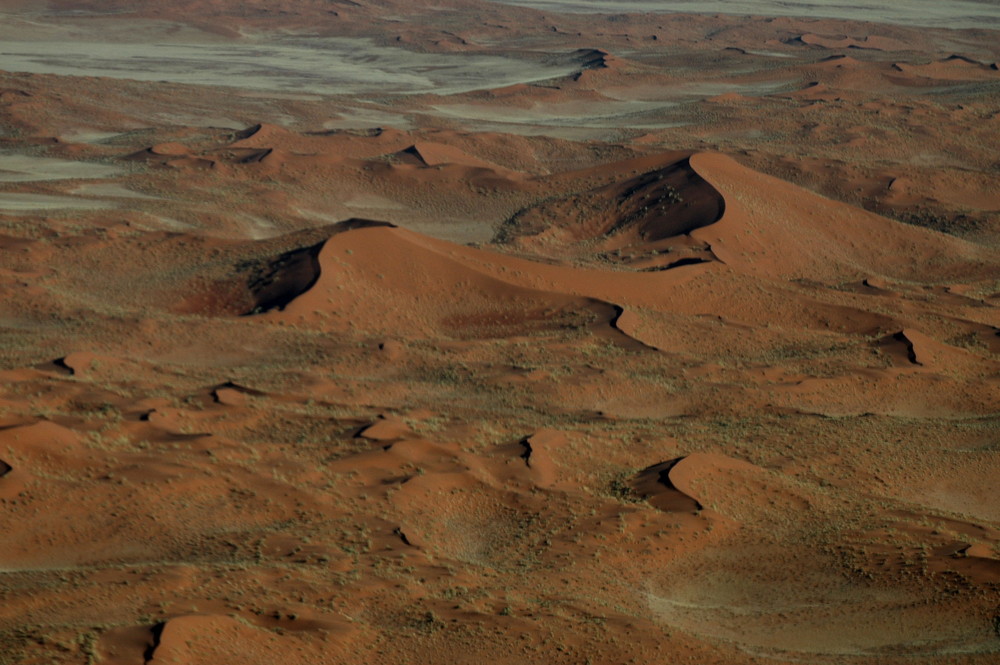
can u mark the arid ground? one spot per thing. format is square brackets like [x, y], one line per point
[382, 331]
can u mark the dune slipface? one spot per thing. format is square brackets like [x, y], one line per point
[463, 332]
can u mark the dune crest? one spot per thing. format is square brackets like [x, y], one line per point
[774, 229]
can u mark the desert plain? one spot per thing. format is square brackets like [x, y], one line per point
[374, 331]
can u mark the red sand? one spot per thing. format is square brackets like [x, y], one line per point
[713, 380]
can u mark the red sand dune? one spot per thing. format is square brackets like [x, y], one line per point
[773, 229]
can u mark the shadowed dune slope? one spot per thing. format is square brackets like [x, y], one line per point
[658, 204]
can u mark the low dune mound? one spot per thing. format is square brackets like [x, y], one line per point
[170, 149]
[814, 91]
[457, 517]
[656, 486]
[384, 279]
[251, 155]
[162, 152]
[58, 365]
[87, 365]
[839, 62]
[261, 135]
[880, 286]
[723, 487]
[978, 568]
[979, 562]
[952, 68]
[211, 639]
[778, 596]
[43, 440]
[193, 164]
[916, 346]
[432, 154]
[11, 95]
[844, 73]
[11, 481]
[279, 161]
[272, 150]
[912, 348]
[537, 452]
[872, 42]
[595, 58]
[36, 450]
[596, 64]
[174, 155]
[644, 209]
[76, 363]
[233, 394]
[385, 428]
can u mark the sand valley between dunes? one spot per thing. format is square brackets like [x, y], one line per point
[343, 331]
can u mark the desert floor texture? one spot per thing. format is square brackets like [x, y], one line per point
[381, 331]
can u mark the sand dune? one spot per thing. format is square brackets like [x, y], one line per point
[383, 279]
[751, 222]
[790, 233]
